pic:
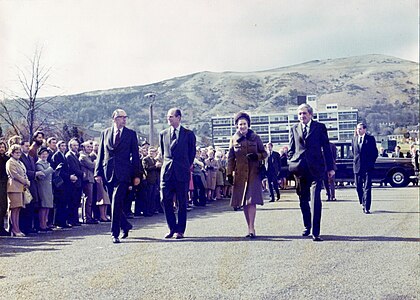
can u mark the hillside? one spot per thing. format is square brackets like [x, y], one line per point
[383, 88]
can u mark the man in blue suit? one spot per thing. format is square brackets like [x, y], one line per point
[118, 163]
[177, 145]
[365, 153]
[309, 158]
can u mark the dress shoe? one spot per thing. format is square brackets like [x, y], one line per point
[251, 235]
[278, 198]
[367, 211]
[306, 232]
[334, 199]
[4, 232]
[115, 240]
[317, 239]
[91, 222]
[125, 234]
[179, 236]
[272, 200]
[105, 221]
[169, 235]
[17, 234]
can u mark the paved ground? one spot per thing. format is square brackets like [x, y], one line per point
[362, 257]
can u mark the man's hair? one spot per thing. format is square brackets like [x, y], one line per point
[72, 141]
[308, 107]
[22, 142]
[269, 143]
[37, 133]
[3, 143]
[362, 124]
[177, 111]
[51, 139]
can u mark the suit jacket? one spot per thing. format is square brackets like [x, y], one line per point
[178, 159]
[312, 154]
[58, 160]
[75, 168]
[364, 157]
[29, 163]
[16, 172]
[118, 162]
[399, 155]
[152, 172]
[273, 164]
[88, 167]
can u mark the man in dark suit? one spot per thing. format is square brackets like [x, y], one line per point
[61, 193]
[397, 153]
[364, 157]
[309, 158]
[273, 166]
[76, 177]
[28, 218]
[178, 151]
[118, 163]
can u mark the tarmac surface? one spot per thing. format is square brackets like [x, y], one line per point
[362, 256]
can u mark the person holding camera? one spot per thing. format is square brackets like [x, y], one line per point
[246, 151]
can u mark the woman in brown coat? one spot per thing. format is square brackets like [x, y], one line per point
[246, 151]
[17, 182]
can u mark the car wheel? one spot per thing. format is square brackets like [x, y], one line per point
[398, 178]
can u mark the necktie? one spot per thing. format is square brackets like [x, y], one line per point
[305, 132]
[173, 137]
[117, 137]
[360, 141]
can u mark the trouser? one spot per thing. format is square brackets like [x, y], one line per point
[179, 189]
[273, 185]
[74, 203]
[329, 184]
[119, 219]
[363, 183]
[308, 189]
[153, 198]
[61, 199]
[199, 194]
[26, 218]
[88, 199]
[3, 202]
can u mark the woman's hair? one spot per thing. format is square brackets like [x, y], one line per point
[13, 148]
[242, 115]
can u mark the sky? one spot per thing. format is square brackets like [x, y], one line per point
[102, 44]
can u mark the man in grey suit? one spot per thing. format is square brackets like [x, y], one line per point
[118, 163]
[309, 158]
[365, 153]
[177, 145]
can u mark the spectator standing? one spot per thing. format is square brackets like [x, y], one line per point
[76, 177]
[329, 181]
[45, 190]
[37, 141]
[16, 185]
[87, 167]
[3, 187]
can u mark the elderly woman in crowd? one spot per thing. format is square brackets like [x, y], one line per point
[246, 151]
[16, 185]
[211, 166]
[45, 190]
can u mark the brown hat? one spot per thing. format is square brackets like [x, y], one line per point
[242, 115]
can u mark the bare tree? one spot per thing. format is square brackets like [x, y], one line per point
[25, 114]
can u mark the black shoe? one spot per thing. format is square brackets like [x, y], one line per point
[272, 200]
[278, 198]
[125, 234]
[116, 240]
[91, 222]
[306, 232]
[367, 212]
[169, 235]
[75, 224]
[179, 236]
[317, 239]
[251, 235]
[4, 232]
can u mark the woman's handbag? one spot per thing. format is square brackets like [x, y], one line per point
[27, 197]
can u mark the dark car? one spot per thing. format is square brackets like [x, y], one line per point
[398, 172]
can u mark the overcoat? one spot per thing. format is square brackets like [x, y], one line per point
[44, 184]
[247, 188]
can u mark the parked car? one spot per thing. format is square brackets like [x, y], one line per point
[398, 172]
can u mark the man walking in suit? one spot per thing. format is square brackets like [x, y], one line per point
[309, 158]
[273, 171]
[364, 157]
[178, 151]
[118, 163]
